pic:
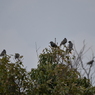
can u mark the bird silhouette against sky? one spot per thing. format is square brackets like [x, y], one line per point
[17, 55]
[63, 42]
[53, 44]
[90, 62]
[3, 53]
[70, 47]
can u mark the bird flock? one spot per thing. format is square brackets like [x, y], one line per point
[3, 54]
[63, 42]
[54, 45]
[69, 48]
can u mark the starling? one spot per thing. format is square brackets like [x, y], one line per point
[17, 55]
[53, 44]
[90, 62]
[3, 53]
[70, 45]
[63, 42]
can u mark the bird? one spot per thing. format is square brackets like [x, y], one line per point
[90, 62]
[17, 55]
[70, 45]
[3, 53]
[53, 44]
[63, 42]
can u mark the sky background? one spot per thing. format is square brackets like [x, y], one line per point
[24, 22]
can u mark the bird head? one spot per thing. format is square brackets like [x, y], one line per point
[51, 42]
[69, 41]
[4, 50]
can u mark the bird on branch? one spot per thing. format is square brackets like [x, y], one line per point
[90, 62]
[70, 47]
[3, 53]
[53, 44]
[63, 42]
[17, 55]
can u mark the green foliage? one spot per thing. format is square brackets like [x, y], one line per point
[54, 75]
[13, 78]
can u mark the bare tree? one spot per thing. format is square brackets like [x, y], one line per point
[85, 68]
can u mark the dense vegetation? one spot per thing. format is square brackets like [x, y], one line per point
[56, 74]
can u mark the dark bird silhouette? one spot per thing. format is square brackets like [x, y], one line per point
[70, 46]
[53, 44]
[90, 62]
[63, 42]
[3, 53]
[17, 55]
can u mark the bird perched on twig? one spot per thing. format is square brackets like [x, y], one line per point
[70, 47]
[63, 42]
[3, 53]
[90, 62]
[53, 44]
[17, 55]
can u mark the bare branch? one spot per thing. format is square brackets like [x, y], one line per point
[37, 50]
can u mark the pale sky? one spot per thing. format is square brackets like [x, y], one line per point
[24, 22]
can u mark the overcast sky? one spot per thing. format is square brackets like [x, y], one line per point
[24, 22]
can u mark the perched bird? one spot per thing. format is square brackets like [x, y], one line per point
[17, 55]
[3, 53]
[53, 44]
[90, 62]
[63, 42]
[70, 45]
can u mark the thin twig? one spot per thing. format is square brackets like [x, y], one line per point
[37, 50]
